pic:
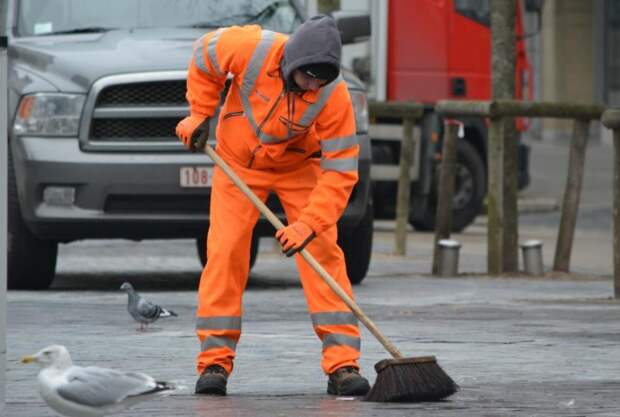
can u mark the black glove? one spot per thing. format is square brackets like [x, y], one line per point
[200, 136]
[193, 131]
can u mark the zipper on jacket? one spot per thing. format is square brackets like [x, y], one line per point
[269, 113]
[233, 114]
[296, 150]
[253, 155]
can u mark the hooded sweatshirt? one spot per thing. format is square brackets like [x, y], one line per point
[316, 41]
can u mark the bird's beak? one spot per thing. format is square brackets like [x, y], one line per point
[30, 359]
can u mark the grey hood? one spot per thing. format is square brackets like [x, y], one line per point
[316, 41]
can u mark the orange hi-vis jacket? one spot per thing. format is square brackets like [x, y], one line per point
[264, 125]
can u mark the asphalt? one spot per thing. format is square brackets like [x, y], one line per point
[517, 345]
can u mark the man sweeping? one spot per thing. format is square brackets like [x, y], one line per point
[287, 126]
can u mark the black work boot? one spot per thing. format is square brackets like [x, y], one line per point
[347, 381]
[212, 381]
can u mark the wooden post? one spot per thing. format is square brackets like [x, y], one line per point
[502, 216]
[443, 218]
[616, 215]
[495, 196]
[503, 64]
[611, 119]
[518, 108]
[572, 194]
[404, 187]
[4, 161]
[510, 239]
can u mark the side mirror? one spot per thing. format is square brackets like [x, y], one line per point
[353, 28]
[534, 5]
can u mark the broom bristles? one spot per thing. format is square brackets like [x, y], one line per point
[410, 380]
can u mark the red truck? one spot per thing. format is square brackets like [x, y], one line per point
[433, 50]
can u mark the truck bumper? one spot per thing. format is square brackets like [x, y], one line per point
[121, 195]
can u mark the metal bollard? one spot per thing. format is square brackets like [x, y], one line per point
[448, 257]
[532, 257]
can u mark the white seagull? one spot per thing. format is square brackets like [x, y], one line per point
[76, 391]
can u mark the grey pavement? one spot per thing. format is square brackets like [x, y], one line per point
[517, 345]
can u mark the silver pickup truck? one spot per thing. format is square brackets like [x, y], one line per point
[96, 89]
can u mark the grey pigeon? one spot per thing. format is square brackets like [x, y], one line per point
[91, 391]
[143, 311]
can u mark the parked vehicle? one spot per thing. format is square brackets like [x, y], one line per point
[95, 92]
[438, 50]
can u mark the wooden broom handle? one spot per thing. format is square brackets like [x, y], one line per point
[273, 219]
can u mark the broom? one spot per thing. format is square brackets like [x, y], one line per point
[398, 380]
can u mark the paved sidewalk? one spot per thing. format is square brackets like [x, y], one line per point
[517, 346]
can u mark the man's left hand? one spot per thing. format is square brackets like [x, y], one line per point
[294, 237]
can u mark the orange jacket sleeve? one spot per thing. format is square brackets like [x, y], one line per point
[215, 55]
[335, 126]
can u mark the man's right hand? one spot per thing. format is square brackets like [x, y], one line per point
[193, 131]
[294, 237]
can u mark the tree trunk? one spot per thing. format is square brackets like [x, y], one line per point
[327, 6]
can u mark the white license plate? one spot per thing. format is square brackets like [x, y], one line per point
[196, 176]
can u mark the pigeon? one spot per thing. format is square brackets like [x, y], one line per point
[77, 391]
[143, 311]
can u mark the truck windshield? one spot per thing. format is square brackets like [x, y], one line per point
[478, 10]
[48, 17]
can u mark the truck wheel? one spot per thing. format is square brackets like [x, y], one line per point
[356, 243]
[469, 192]
[31, 261]
[201, 246]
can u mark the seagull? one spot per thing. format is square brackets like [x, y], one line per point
[76, 391]
[143, 311]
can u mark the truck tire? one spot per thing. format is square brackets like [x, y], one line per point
[201, 246]
[356, 243]
[31, 261]
[469, 192]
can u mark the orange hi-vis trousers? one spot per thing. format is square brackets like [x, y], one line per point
[225, 276]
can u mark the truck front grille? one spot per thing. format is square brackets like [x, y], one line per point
[160, 93]
[135, 111]
[119, 130]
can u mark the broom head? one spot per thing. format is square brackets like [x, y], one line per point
[410, 380]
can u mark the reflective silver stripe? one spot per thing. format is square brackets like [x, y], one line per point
[338, 144]
[336, 317]
[265, 138]
[252, 71]
[199, 59]
[257, 60]
[211, 51]
[324, 95]
[215, 342]
[334, 339]
[340, 165]
[249, 80]
[219, 323]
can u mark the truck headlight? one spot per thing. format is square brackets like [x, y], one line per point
[360, 106]
[49, 114]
